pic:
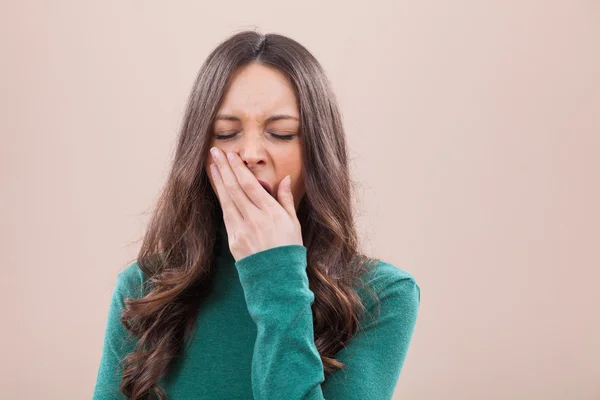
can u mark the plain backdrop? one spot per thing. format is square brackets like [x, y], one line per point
[474, 130]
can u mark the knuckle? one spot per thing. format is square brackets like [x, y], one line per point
[231, 187]
[246, 184]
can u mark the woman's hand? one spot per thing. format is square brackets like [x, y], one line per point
[255, 221]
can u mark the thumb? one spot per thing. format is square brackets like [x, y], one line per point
[285, 196]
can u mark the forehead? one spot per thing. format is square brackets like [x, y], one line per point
[257, 91]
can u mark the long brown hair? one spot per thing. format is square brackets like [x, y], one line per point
[177, 252]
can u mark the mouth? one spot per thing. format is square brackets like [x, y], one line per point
[266, 186]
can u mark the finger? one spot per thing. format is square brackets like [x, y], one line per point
[232, 186]
[249, 184]
[231, 215]
[286, 197]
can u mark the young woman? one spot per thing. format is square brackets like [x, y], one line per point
[249, 282]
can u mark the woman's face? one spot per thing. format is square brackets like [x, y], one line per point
[259, 105]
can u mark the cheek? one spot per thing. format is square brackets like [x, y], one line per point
[290, 161]
[292, 164]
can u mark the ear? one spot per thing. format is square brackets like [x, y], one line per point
[285, 196]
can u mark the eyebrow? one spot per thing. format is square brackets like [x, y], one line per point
[276, 117]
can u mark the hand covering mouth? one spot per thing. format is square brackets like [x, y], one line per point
[266, 186]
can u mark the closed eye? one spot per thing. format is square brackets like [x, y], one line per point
[276, 136]
[282, 137]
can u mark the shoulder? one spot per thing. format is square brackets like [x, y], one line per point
[390, 284]
[130, 281]
[383, 274]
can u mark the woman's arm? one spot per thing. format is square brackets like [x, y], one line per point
[286, 363]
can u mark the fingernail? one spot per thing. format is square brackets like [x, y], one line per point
[288, 182]
[230, 156]
[214, 152]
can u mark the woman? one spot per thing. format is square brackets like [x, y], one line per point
[250, 285]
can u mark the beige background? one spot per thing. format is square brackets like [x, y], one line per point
[475, 134]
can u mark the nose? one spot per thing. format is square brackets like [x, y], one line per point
[252, 149]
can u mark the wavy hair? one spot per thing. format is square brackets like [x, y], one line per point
[177, 251]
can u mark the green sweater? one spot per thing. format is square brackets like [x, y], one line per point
[254, 335]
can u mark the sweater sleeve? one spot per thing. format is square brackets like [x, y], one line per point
[117, 341]
[286, 363]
